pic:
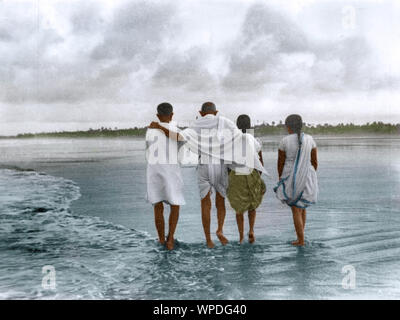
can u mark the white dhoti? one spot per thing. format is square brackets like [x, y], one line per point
[165, 184]
[164, 176]
[212, 176]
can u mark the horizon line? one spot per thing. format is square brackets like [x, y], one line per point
[264, 123]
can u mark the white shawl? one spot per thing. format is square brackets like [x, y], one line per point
[216, 139]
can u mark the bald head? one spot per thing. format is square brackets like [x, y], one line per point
[208, 108]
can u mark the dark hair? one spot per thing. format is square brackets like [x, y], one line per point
[295, 122]
[243, 122]
[164, 109]
[208, 107]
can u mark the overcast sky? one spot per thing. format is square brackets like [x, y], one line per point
[67, 65]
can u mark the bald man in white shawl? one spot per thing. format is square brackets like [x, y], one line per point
[214, 138]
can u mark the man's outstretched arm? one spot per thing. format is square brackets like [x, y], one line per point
[170, 134]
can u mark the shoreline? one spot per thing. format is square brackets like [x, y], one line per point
[140, 137]
[375, 129]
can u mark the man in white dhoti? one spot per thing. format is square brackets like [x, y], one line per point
[164, 178]
[213, 137]
[212, 174]
[297, 165]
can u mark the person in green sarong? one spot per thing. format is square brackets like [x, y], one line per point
[246, 188]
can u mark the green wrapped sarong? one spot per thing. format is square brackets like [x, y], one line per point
[245, 192]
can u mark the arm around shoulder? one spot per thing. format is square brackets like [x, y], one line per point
[168, 133]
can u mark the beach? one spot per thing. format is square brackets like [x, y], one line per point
[79, 205]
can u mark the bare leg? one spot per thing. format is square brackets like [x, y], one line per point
[298, 225]
[206, 218]
[303, 216]
[252, 220]
[221, 212]
[173, 221]
[159, 220]
[240, 224]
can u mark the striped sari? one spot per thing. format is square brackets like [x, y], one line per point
[300, 187]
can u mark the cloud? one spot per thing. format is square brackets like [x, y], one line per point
[138, 29]
[97, 61]
[94, 60]
[272, 52]
[258, 55]
[85, 17]
[187, 71]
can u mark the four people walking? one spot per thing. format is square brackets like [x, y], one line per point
[230, 163]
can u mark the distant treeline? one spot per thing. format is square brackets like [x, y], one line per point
[260, 130]
[328, 129]
[102, 132]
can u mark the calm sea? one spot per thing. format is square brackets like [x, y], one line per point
[79, 207]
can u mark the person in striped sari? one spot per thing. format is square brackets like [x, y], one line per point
[297, 166]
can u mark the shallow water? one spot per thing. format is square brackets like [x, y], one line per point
[82, 210]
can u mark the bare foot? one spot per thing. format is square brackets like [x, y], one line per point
[222, 238]
[161, 241]
[298, 243]
[252, 238]
[170, 244]
[241, 238]
[210, 244]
